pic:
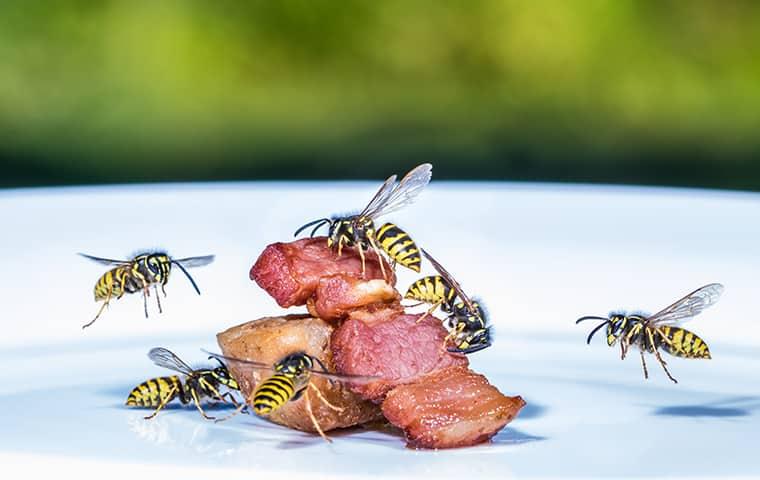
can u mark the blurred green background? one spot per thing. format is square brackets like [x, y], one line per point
[651, 92]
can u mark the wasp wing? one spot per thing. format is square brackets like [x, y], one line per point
[689, 306]
[164, 358]
[345, 378]
[448, 278]
[403, 193]
[239, 361]
[105, 261]
[191, 262]
[381, 197]
[263, 366]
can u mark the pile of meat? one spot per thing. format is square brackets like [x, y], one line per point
[357, 326]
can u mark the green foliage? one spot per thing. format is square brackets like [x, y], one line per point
[664, 92]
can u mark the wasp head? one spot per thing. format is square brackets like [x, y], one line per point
[470, 341]
[615, 327]
[154, 267]
[294, 365]
[223, 376]
[614, 324]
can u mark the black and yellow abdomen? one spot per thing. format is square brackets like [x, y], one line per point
[399, 246]
[431, 289]
[111, 283]
[156, 390]
[273, 393]
[684, 343]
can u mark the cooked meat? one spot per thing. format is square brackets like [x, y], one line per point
[387, 343]
[450, 408]
[268, 340]
[290, 272]
[337, 295]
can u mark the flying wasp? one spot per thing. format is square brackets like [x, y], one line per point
[467, 322]
[291, 381]
[359, 230]
[196, 385]
[138, 274]
[652, 333]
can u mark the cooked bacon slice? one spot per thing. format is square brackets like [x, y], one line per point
[337, 295]
[385, 342]
[290, 272]
[454, 407]
[268, 340]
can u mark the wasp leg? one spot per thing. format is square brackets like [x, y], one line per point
[644, 364]
[216, 394]
[340, 246]
[163, 403]
[429, 311]
[380, 257]
[324, 400]
[102, 307]
[624, 345]
[364, 261]
[314, 419]
[659, 358]
[146, 294]
[452, 334]
[197, 403]
[158, 299]
[240, 408]
[163, 290]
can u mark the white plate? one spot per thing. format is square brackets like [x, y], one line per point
[540, 255]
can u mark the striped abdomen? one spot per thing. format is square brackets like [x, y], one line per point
[152, 392]
[432, 289]
[684, 343]
[399, 246]
[273, 393]
[110, 283]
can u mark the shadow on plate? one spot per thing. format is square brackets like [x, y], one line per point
[532, 410]
[726, 408]
[512, 436]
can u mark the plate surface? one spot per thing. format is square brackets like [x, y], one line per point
[539, 255]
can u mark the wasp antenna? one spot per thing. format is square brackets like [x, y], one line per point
[596, 329]
[318, 224]
[188, 275]
[590, 317]
[221, 363]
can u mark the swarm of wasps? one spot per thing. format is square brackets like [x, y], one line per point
[291, 377]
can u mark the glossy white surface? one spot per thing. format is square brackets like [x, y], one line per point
[539, 255]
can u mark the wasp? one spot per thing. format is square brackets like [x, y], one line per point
[196, 385]
[138, 274]
[359, 230]
[291, 380]
[467, 322]
[652, 333]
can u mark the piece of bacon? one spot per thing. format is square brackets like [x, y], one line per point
[337, 295]
[290, 272]
[449, 408]
[386, 342]
[268, 340]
